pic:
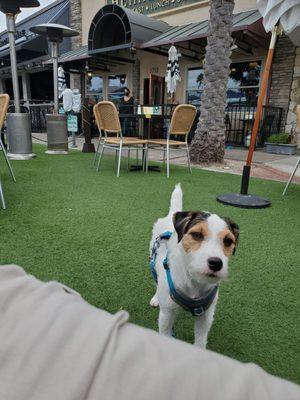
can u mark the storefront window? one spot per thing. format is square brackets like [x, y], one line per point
[194, 85]
[94, 88]
[243, 83]
[116, 84]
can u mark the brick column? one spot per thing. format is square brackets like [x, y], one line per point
[282, 75]
[295, 97]
[76, 23]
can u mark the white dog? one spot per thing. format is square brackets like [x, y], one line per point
[189, 254]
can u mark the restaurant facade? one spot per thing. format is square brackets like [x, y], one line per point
[126, 42]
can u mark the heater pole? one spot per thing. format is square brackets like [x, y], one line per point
[11, 29]
[54, 47]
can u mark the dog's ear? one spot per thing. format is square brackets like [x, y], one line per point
[234, 229]
[181, 221]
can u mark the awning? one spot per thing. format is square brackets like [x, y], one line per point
[78, 57]
[116, 28]
[78, 54]
[244, 21]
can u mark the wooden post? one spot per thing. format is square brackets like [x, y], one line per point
[261, 97]
[262, 94]
[88, 146]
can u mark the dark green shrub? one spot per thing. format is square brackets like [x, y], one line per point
[282, 138]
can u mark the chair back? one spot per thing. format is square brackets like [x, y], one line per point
[4, 103]
[107, 117]
[298, 115]
[182, 119]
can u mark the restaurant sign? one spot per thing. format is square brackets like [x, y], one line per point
[152, 6]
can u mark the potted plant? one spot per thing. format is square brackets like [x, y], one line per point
[283, 143]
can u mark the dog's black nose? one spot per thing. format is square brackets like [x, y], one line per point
[215, 263]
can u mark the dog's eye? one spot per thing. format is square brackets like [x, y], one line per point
[228, 242]
[197, 235]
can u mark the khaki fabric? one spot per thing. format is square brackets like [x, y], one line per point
[55, 346]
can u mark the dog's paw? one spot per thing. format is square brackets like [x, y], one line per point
[154, 302]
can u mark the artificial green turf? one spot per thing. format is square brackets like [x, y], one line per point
[91, 231]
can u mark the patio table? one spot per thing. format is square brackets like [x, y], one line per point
[144, 131]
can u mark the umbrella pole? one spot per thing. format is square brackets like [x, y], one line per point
[243, 199]
[261, 97]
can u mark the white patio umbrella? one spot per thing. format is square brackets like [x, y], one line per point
[173, 72]
[61, 82]
[287, 11]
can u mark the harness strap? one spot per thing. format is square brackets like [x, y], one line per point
[152, 260]
[196, 306]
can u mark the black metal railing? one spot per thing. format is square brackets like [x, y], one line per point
[38, 110]
[238, 121]
[38, 114]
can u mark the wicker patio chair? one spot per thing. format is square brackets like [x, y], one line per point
[4, 103]
[181, 123]
[108, 121]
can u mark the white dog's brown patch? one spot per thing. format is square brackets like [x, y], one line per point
[194, 237]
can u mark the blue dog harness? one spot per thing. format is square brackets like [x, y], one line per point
[196, 306]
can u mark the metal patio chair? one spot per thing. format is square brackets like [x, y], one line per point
[108, 121]
[181, 123]
[4, 103]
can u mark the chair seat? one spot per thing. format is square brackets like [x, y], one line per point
[163, 142]
[126, 141]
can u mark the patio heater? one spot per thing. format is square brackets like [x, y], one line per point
[57, 133]
[18, 124]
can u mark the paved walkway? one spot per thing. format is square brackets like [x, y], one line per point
[266, 166]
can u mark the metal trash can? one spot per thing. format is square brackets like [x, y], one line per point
[19, 136]
[57, 134]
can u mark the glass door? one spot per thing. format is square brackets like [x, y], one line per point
[116, 85]
[94, 88]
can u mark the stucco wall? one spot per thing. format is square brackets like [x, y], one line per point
[89, 9]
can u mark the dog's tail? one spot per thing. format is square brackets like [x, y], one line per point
[176, 200]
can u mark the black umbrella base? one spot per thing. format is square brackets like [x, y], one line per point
[243, 200]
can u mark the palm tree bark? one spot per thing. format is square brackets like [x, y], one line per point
[208, 145]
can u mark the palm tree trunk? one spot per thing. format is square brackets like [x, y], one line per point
[208, 144]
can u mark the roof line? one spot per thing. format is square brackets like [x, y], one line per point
[176, 39]
[59, 12]
[41, 11]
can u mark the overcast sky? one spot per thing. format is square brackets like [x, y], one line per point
[25, 13]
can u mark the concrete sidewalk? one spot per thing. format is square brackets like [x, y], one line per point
[265, 166]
